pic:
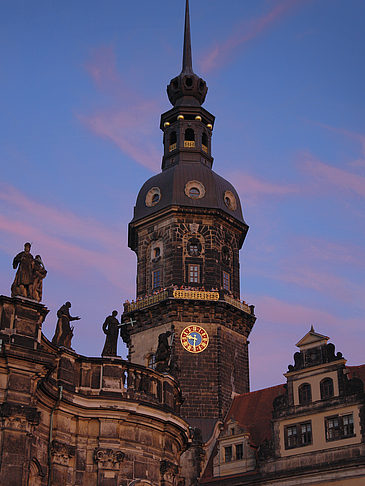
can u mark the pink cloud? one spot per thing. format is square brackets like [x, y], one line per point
[245, 32]
[340, 178]
[130, 131]
[250, 185]
[131, 122]
[280, 312]
[67, 243]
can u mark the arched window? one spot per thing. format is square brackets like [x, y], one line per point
[189, 138]
[305, 393]
[205, 142]
[194, 247]
[326, 386]
[173, 141]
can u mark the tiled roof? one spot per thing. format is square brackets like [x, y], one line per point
[357, 372]
[253, 412]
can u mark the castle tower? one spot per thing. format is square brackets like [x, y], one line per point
[187, 231]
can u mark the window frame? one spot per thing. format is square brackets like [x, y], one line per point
[304, 397]
[226, 277]
[299, 435]
[156, 279]
[339, 431]
[193, 269]
[324, 388]
[230, 455]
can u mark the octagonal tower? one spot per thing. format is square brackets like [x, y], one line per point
[187, 231]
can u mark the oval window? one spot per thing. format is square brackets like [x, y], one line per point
[194, 190]
[194, 193]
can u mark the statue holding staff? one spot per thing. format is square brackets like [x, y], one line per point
[64, 332]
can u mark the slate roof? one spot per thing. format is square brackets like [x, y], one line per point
[171, 183]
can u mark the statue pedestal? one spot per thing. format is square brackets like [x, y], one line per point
[21, 321]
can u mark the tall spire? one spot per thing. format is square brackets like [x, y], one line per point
[187, 66]
[187, 89]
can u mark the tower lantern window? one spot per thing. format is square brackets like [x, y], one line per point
[189, 138]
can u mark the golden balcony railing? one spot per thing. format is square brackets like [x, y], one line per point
[172, 147]
[146, 302]
[189, 143]
[188, 295]
[205, 148]
[195, 295]
[237, 303]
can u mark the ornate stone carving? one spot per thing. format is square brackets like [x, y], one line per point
[20, 417]
[61, 452]
[168, 470]
[108, 458]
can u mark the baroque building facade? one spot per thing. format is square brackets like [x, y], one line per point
[179, 411]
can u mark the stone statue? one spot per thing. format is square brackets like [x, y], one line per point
[29, 276]
[64, 332]
[111, 329]
[39, 273]
[163, 352]
[24, 278]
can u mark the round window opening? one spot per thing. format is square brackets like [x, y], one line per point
[194, 190]
[194, 193]
[230, 200]
[153, 196]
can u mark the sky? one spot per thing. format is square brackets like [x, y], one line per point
[83, 85]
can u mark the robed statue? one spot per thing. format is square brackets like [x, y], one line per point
[111, 329]
[29, 276]
[64, 332]
[163, 352]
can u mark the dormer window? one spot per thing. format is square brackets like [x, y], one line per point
[305, 394]
[228, 454]
[173, 141]
[326, 386]
[189, 141]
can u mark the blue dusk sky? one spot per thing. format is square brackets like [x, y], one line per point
[82, 88]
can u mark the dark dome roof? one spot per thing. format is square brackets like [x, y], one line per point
[170, 185]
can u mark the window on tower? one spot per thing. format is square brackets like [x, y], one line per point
[205, 142]
[189, 138]
[226, 281]
[194, 247]
[173, 141]
[194, 273]
[156, 279]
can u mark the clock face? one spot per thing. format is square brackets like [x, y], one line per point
[194, 339]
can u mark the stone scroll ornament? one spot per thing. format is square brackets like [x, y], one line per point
[29, 277]
[64, 332]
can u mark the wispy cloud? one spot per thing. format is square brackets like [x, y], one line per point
[244, 32]
[339, 178]
[253, 187]
[130, 120]
[68, 243]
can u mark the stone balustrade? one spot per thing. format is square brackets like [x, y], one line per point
[114, 378]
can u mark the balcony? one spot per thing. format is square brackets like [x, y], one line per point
[215, 296]
[172, 147]
[205, 148]
[114, 379]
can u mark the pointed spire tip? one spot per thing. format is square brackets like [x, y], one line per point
[187, 57]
